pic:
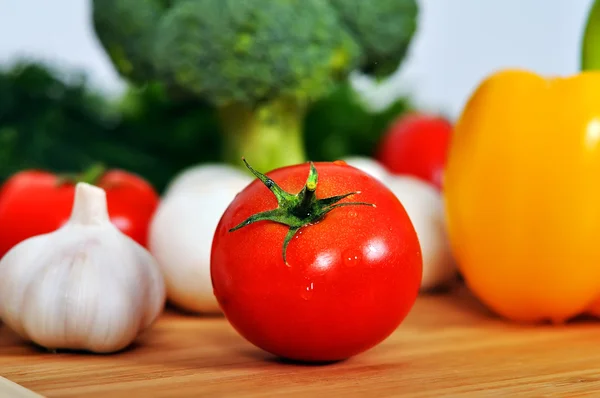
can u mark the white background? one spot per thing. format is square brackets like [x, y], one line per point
[459, 42]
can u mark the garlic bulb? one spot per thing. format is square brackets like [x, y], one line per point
[182, 229]
[85, 286]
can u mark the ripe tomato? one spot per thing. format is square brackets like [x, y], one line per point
[351, 276]
[417, 144]
[33, 202]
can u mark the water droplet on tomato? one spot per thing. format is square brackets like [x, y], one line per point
[352, 213]
[307, 291]
[352, 259]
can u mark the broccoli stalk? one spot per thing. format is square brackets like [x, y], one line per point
[260, 63]
[273, 131]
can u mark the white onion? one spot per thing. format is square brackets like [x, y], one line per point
[182, 229]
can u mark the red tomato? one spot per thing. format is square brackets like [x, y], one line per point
[417, 144]
[350, 279]
[34, 202]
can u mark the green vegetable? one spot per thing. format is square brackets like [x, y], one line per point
[61, 126]
[340, 125]
[64, 126]
[590, 51]
[383, 29]
[38, 111]
[261, 63]
[127, 31]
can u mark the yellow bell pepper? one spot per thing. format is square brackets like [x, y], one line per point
[522, 195]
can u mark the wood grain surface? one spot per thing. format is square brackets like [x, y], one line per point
[448, 346]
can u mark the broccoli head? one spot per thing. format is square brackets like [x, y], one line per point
[383, 29]
[254, 51]
[260, 63]
[126, 29]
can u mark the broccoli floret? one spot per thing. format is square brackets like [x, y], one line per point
[242, 53]
[126, 29]
[261, 63]
[383, 28]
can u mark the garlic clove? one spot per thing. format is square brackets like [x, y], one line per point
[85, 286]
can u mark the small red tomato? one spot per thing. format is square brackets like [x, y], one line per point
[34, 202]
[417, 144]
[345, 281]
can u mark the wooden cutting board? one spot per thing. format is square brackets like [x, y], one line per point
[448, 346]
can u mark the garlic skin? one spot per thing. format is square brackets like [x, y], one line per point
[85, 286]
[425, 207]
[182, 230]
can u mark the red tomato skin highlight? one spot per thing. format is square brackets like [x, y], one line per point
[352, 277]
[417, 144]
[32, 202]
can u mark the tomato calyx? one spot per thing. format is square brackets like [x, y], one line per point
[296, 210]
[90, 176]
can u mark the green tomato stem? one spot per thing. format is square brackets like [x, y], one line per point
[296, 210]
[269, 134]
